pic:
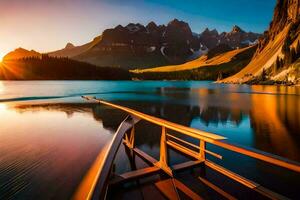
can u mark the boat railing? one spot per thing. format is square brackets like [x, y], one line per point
[96, 181]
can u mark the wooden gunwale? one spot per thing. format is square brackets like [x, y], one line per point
[98, 184]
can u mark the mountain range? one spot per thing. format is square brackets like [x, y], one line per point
[275, 61]
[173, 51]
[277, 56]
[137, 47]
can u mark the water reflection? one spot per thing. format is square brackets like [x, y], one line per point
[260, 120]
[275, 120]
[47, 149]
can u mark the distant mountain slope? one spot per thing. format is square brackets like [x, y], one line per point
[262, 60]
[236, 38]
[20, 53]
[137, 46]
[70, 50]
[203, 61]
[222, 65]
[277, 50]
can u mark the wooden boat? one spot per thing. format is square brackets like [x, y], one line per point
[165, 183]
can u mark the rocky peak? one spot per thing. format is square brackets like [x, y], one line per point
[214, 32]
[134, 27]
[119, 28]
[175, 23]
[236, 29]
[236, 38]
[69, 46]
[286, 11]
[152, 26]
[207, 32]
[209, 38]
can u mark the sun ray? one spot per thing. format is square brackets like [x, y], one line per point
[11, 70]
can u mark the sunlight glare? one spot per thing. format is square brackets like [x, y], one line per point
[2, 107]
[1, 87]
[1, 58]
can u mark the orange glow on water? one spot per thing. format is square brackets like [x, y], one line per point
[44, 141]
[1, 86]
[2, 107]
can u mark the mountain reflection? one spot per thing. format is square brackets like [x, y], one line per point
[79, 130]
[275, 121]
[47, 149]
[109, 118]
[264, 121]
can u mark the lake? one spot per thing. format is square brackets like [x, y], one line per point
[50, 136]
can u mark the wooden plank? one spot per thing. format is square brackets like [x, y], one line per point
[147, 158]
[183, 188]
[201, 135]
[151, 189]
[202, 149]
[133, 175]
[140, 173]
[232, 175]
[161, 122]
[217, 189]
[183, 141]
[163, 153]
[207, 137]
[168, 189]
[250, 184]
[186, 165]
[95, 183]
[195, 146]
[270, 194]
[152, 161]
[275, 160]
[144, 156]
[183, 149]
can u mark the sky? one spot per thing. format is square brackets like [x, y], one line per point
[47, 25]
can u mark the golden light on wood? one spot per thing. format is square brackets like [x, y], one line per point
[205, 136]
[89, 191]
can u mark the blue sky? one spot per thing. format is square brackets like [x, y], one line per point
[254, 15]
[47, 25]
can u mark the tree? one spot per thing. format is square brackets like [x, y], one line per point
[286, 46]
[293, 55]
[277, 64]
[298, 49]
[264, 74]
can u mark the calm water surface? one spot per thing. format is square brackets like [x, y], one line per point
[49, 136]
